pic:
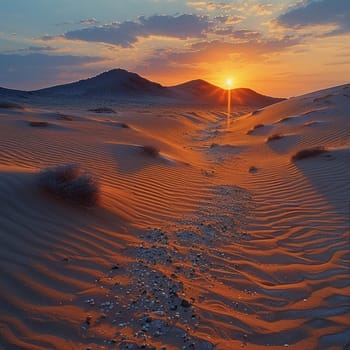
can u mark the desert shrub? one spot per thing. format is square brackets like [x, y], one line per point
[10, 105]
[274, 137]
[308, 153]
[38, 124]
[70, 183]
[102, 110]
[253, 169]
[257, 126]
[124, 125]
[150, 150]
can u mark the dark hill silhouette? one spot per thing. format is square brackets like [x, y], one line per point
[200, 90]
[121, 84]
[117, 82]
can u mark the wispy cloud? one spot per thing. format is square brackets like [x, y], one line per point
[89, 21]
[319, 13]
[263, 9]
[228, 19]
[241, 34]
[218, 51]
[126, 33]
[249, 50]
[37, 49]
[209, 5]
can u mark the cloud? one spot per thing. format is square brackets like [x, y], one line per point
[218, 51]
[182, 27]
[37, 49]
[263, 9]
[31, 49]
[249, 50]
[240, 34]
[88, 21]
[209, 5]
[37, 70]
[198, 5]
[125, 34]
[227, 20]
[316, 13]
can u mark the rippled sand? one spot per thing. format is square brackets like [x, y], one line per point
[221, 241]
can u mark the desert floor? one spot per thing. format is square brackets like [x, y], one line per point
[219, 241]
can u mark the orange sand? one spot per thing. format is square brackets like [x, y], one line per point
[190, 249]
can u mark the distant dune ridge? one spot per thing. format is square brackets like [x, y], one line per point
[121, 84]
[176, 230]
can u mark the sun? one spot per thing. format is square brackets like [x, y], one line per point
[229, 83]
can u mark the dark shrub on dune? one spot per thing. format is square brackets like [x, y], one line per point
[70, 183]
[274, 137]
[308, 153]
[124, 125]
[150, 150]
[253, 169]
[38, 124]
[102, 110]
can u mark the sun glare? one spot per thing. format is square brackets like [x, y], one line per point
[229, 83]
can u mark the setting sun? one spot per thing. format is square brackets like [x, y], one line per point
[229, 83]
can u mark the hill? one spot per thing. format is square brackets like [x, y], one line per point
[202, 91]
[116, 82]
[120, 84]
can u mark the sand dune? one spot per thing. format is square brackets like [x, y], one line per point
[188, 247]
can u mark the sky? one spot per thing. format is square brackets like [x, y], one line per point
[281, 48]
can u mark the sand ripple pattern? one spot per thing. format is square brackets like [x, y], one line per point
[189, 249]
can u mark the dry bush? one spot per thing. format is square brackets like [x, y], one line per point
[124, 125]
[70, 183]
[102, 110]
[150, 150]
[253, 169]
[38, 124]
[308, 153]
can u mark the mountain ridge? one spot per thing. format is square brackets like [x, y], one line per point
[122, 84]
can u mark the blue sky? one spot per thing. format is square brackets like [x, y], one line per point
[277, 47]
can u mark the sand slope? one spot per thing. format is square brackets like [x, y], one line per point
[220, 241]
